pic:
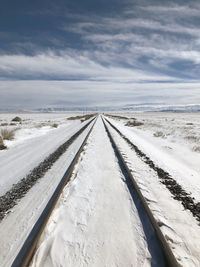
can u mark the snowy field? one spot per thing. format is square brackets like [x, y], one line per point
[179, 128]
[35, 137]
[31, 125]
[172, 140]
[177, 224]
[18, 160]
[96, 221]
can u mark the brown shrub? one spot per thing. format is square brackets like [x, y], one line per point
[159, 134]
[7, 134]
[54, 125]
[82, 118]
[134, 123]
[2, 146]
[196, 149]
[18, 119]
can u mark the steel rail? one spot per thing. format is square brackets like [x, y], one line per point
[170, 259]
[28, 248]
[176, 190]
[18, 190]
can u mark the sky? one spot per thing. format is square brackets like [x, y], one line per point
[103, 53]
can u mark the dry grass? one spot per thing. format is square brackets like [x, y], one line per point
[82, 118]
[159, 134]
[117, 117]
[134, 123]
[2, 146]
[7, 134]
[192, 138]
[17, 119]
[40, 125]
[54, 125]
[196, 149]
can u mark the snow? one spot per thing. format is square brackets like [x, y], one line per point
[29, 133]
[178, 226]
[172, 153]
[96, 222]
[31, 146]
[31, 126]
[28, 209]
[35, 117]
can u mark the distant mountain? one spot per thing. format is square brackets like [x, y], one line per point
[163, 108]
[134, 107]
[144, 107]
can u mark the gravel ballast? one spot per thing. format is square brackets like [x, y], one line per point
[18, 190]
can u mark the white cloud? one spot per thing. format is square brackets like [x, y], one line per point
[31, 94]
[189, 10]
[68, 65]
[120, 60]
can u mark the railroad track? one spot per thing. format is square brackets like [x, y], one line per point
[178, 193]
[9, 200]
[27, 250]
[135, 191]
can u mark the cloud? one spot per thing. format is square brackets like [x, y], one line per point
[136, 53]
[68, 65]
[164, 42]
[184, 10]
[36, 94]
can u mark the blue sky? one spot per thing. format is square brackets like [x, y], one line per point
[99, 53]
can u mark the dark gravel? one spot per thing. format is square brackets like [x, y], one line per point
[176, 190]
[9, 200]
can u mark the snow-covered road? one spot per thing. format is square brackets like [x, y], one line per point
[96, 222]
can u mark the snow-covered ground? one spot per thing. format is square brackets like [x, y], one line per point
[31, 125]
[178, 226]
[179, 128]
[96, 222]
[173, 148]
[34, 140]
[15, 227]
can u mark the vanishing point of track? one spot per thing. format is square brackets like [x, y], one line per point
[28, 249]
[134, 189]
